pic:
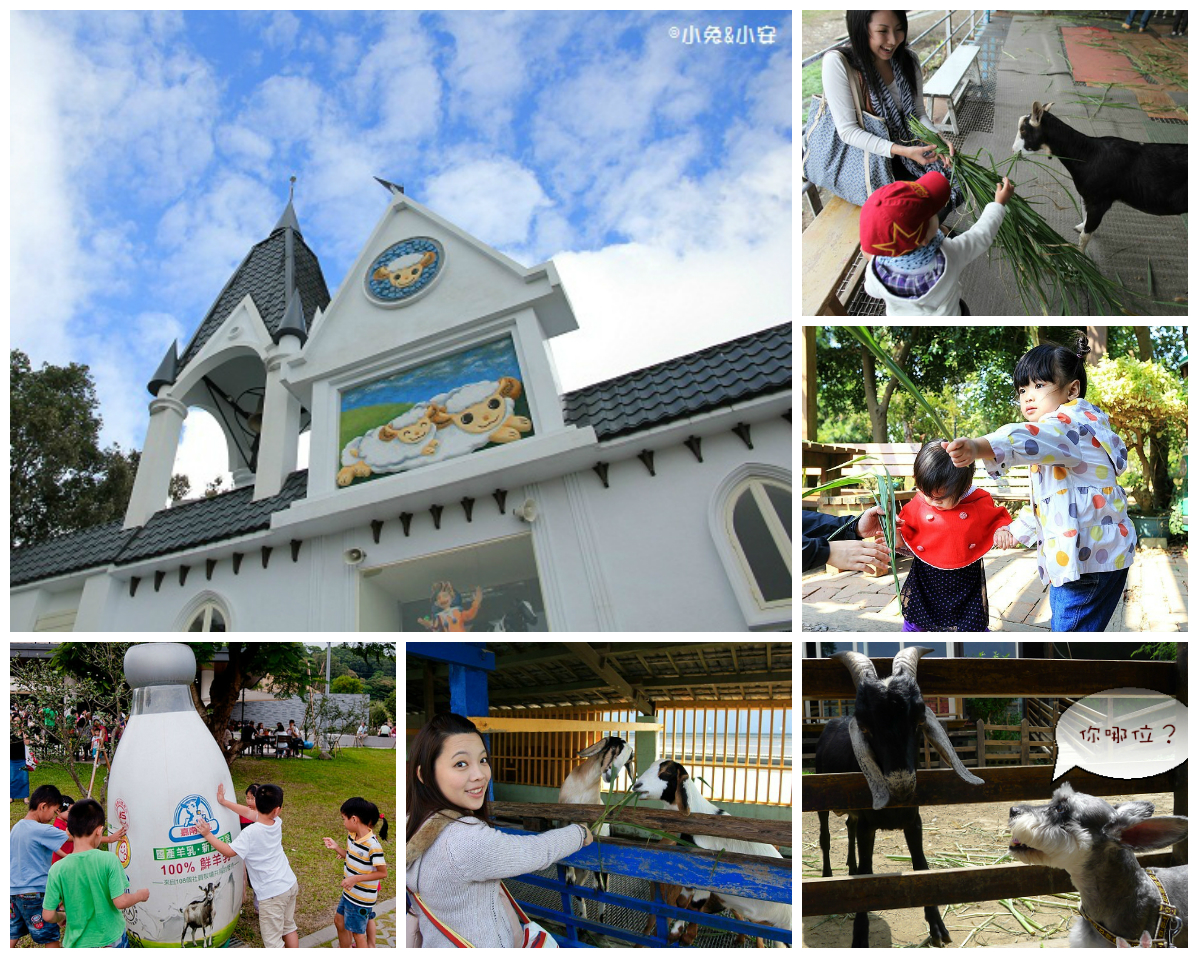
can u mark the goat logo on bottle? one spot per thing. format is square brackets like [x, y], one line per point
[190, 810]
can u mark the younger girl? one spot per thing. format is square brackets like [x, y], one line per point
[454, 859]
[1078, 515]
[948, 527]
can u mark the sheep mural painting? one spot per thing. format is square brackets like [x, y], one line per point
[881, 739]
[447, 408]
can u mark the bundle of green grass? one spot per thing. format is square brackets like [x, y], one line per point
[1049, 272]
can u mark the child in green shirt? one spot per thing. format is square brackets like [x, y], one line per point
[90, 884]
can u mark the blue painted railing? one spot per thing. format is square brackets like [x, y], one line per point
[762, 878]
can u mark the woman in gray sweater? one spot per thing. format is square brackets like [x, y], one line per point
[454, 858]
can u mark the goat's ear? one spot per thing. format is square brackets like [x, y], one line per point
[681, 795]
[591, 751]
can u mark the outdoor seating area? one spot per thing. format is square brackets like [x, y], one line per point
[1093, 76]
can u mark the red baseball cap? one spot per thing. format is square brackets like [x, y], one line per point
[893, 219]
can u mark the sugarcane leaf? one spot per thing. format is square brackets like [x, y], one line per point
[863, 335]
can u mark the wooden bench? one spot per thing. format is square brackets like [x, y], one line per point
[831, 247]
[899, 459]
[946, 84]
[1015, 485]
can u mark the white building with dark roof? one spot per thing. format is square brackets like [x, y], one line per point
[451, 486]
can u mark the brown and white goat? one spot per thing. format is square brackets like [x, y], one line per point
[605, 758]
[668, 781]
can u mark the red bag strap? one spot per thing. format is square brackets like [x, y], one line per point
[449, 933]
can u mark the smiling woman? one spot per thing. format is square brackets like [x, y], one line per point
[455, 860]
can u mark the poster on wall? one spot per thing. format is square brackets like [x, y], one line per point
[512, 607]
[450, 407]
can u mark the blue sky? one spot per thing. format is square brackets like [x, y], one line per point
[151, 150]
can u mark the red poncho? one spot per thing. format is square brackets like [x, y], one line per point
[950, 539]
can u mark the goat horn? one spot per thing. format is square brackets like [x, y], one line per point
[868, 765]
[860, 667]
[941, 742]
[906, 660]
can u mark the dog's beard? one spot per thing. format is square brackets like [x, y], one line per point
[1034, 841]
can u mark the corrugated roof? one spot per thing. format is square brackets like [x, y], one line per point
[755, 365]
[543, 674]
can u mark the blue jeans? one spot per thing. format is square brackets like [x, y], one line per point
[1088, 603]
[355, 916]
[25, 917]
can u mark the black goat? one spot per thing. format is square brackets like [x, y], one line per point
[881, 740]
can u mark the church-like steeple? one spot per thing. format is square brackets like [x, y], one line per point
[231, 368]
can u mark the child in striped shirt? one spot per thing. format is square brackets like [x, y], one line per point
[365, 868]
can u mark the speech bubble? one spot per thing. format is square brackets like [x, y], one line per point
[1125, 733]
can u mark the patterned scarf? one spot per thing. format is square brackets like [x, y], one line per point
[915, 260]
[895, 116]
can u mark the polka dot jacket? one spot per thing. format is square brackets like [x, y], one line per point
[1078, 512]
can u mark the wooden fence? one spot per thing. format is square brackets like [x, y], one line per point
[764, 878]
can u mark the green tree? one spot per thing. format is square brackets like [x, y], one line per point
[60, 480]
[1146, 403]
[346, 684]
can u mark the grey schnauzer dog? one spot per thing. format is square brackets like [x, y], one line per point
[1095, 844]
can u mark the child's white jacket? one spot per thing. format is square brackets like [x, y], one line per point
[942, 299]
[1079, 517]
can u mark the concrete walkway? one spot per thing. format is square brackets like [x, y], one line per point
[385, 930]
[1155, 596]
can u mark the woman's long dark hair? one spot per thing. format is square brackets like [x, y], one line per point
[858, 50]
[424, 799]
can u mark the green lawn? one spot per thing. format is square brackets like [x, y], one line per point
[313, 790]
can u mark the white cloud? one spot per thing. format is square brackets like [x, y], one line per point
[398, 83]
[638, 304]
[495, 200]
[489, 70]
[285, 110]
[204, 236]
[99, 110]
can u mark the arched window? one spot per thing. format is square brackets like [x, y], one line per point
[205, 614]
[209, 619]
[760, 522]
[752, 525]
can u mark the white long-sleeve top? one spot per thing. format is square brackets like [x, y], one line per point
[942, 298]
[459, 876]
[837, 75]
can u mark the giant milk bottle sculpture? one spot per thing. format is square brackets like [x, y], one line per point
[164, 776]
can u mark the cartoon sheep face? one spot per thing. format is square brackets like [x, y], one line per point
[406, 270]
[484, 408]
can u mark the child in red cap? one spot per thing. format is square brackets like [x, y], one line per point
[916, 269]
